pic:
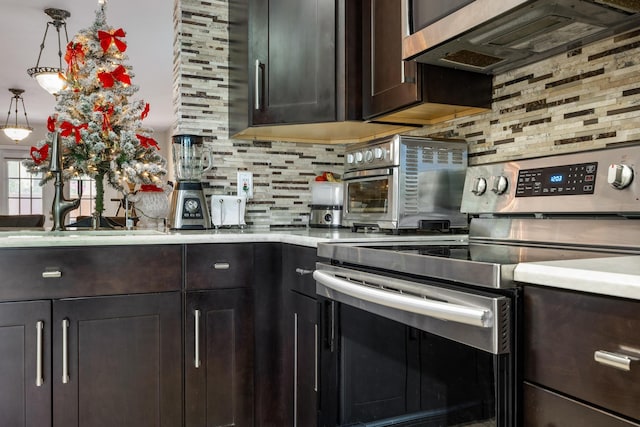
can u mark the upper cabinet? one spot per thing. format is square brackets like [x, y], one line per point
[397, 91]
[296, 72]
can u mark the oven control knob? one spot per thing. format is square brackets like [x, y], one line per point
[620, 176]
[379, 153]
[500, 184]
[359, 157]
[350, 159]
[479, 186]
[368, 156]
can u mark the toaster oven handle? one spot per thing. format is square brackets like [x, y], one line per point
[436, 309]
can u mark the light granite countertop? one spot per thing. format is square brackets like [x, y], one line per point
[298, 236]
[614, 276]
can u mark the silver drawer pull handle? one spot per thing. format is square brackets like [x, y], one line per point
[221, 266]
[303, 272]
[615, 360]
[51, 274]
[65, 351]
[39, 327]
[196, 318]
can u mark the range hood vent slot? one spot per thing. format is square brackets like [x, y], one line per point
[472, 59]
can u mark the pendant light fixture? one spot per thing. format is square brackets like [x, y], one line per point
[52, 78]
[15, 131]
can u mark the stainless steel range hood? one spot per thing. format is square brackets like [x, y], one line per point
[492, 36]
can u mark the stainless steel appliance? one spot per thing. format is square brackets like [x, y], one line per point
[440, 319]
[326, 204]
[325, 216]
[491, 36]
[189, 210]
[405, 183]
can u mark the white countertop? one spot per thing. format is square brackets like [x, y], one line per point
[614, 276]
[297, 236]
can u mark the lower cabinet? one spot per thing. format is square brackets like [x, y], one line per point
[304, 331]
[219, 358]
[91, 362]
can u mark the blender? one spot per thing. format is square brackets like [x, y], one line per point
[189, 209]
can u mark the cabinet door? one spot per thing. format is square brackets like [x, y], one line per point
[305, 360]
[389, 82]
[117, 361]
[219, 358]
[292, 61]
[25, 368]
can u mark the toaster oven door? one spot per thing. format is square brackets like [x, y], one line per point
[370, 198]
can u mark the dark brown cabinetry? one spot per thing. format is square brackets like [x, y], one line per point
[219, 335]
[397, 91]
[90, 360]
[580, 348]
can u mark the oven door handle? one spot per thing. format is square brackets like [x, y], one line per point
[436, 309]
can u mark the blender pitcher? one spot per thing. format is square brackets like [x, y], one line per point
[189, 210]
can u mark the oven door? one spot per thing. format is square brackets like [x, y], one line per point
[370, 198]
[407, 353]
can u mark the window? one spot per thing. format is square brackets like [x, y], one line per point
[88, 196]
[24, 194]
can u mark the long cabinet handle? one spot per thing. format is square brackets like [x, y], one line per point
[39, 328]
[315, 353]
[615, 360]
[65, 351]
[196, 318]
[256, 87]
[295, 369]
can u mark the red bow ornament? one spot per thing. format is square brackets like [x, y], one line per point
[68, 129]
[74, 56]
[112, 37]
[51, 124]
[107, 112]
[109, 78]
[145, 112]
[39, 155]
[147, 142]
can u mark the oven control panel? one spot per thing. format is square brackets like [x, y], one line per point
[557, 180]
[594, 182]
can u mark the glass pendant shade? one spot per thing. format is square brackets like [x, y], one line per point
[52, 79]
[15, 131]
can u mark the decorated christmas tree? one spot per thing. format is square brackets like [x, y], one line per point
[100, 127]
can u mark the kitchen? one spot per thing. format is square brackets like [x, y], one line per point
[543, 108]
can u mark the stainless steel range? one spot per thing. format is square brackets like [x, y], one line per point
[455, 301]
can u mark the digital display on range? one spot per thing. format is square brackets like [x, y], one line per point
[565, 180]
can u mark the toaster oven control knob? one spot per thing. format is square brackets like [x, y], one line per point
[500, 184]
[378, 153]
[359, 157]
[620, 176]
[368, 156]
[350, 159]
[479, 186]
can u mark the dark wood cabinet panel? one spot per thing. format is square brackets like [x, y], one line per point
[217, 266]
[25, 401]
[305, 360]
[562, 332]
[219, 358]
[388, 82]
[297, 271]
[545, 408]
[292, 61]
[122, 356]
[82, 271]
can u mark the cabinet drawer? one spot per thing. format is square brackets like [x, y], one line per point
[216, 266]
[29, 273]
[544, 408]
[562, 332]
[298, 265]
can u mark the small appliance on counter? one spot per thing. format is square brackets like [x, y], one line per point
[326, 204]
[189, 210]
[228, 211]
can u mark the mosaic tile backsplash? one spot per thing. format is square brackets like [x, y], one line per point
[587, 98]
